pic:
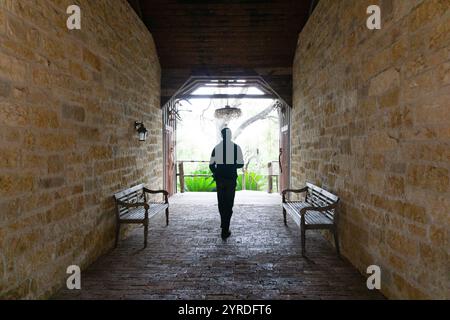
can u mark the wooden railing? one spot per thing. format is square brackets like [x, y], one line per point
[182, 175]
[271, 176]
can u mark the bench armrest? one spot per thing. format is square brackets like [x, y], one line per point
[319, 209]
[133, 205]
[284, 192]
[156, 191]
[164, 192]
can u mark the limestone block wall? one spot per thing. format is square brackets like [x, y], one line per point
[371, 122]
[68, 102]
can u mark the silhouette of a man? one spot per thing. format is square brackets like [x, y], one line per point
[226, 158]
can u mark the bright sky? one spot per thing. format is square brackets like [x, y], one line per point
[229, 90]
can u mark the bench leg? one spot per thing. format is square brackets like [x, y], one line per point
[284, 216]
[145, 233]
[303, 236]
[117, 234]
[336, 241]
[167, 216]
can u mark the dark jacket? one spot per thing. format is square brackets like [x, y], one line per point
[224, 166]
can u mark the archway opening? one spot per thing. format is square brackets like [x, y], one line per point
[256, 115]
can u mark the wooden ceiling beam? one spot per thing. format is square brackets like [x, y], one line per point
[225, 38]
[278, 78]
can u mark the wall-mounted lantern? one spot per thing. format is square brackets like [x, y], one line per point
[142, 131]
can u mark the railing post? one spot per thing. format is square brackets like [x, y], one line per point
[270, 176]
[243, 179]
[181, 173]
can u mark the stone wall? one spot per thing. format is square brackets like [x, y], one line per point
[371, 122]
[68, 102]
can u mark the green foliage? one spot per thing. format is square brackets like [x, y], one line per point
[200, 184]
[253, 181]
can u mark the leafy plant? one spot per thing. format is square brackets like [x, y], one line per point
[253, 181]
[200, 184]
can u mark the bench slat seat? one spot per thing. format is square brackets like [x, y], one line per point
[132, 207]
[318, 210]
[317, 218]
[138, 214]
[311, 217]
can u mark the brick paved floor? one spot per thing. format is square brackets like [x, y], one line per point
[189, 260]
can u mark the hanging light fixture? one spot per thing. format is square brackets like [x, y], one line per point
[228, 113]
[142, 131]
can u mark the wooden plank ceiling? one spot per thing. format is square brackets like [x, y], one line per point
[225, 37]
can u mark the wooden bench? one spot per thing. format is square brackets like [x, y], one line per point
[317, 211]
[133, 207]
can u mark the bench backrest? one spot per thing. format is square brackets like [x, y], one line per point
[130, 195]
[319, 197]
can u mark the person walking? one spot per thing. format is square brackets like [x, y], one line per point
[226, 158]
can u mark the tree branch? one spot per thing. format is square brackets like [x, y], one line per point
[260, 116]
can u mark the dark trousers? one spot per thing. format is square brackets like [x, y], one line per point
[226, 189]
